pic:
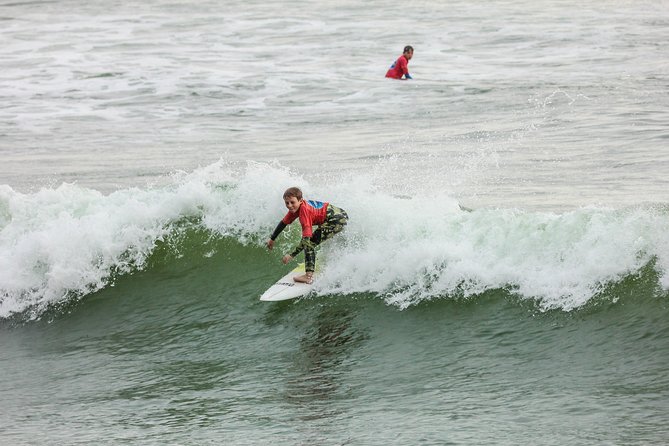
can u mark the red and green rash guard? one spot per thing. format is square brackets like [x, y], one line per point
[311, 213]
[399, 68]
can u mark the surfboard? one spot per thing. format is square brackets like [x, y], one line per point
[286, 288]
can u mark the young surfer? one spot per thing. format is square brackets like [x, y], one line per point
[329, 219]
[400, 67]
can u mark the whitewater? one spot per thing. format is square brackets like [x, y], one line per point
[67, 242]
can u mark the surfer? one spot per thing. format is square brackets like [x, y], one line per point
[329, 219]
[400, 67]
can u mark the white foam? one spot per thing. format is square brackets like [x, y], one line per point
[67, 241]
[562, 261]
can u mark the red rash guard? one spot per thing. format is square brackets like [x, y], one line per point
[310, 213]
[399, 68]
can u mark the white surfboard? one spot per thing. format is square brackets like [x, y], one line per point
[286, 288]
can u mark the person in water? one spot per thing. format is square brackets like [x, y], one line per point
[329, 219]
[400, 67]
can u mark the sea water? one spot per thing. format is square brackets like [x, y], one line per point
[503, 279]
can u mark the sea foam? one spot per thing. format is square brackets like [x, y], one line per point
[66, 242]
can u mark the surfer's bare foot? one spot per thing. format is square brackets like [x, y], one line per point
[304, 278]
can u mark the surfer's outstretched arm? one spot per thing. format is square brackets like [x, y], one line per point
[280, 227]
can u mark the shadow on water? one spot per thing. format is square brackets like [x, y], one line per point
[318, 369]
[315, 393]
[315, 366]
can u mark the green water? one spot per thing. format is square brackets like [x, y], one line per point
[184, 353]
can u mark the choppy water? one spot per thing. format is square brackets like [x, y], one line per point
[503, 280]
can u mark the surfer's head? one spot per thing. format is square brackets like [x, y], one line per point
[293, 192]
[293, 199]
[408, 52]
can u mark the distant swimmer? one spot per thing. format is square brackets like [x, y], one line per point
[400, 67]
[329, 219]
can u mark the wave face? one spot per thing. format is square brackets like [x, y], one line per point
[63, 243]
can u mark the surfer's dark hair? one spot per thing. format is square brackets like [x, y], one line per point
[408, 48]
[293, 192]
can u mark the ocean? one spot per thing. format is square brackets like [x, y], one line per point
[503, 279]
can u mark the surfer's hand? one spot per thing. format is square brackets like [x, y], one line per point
[270, 244]
[286, 259]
